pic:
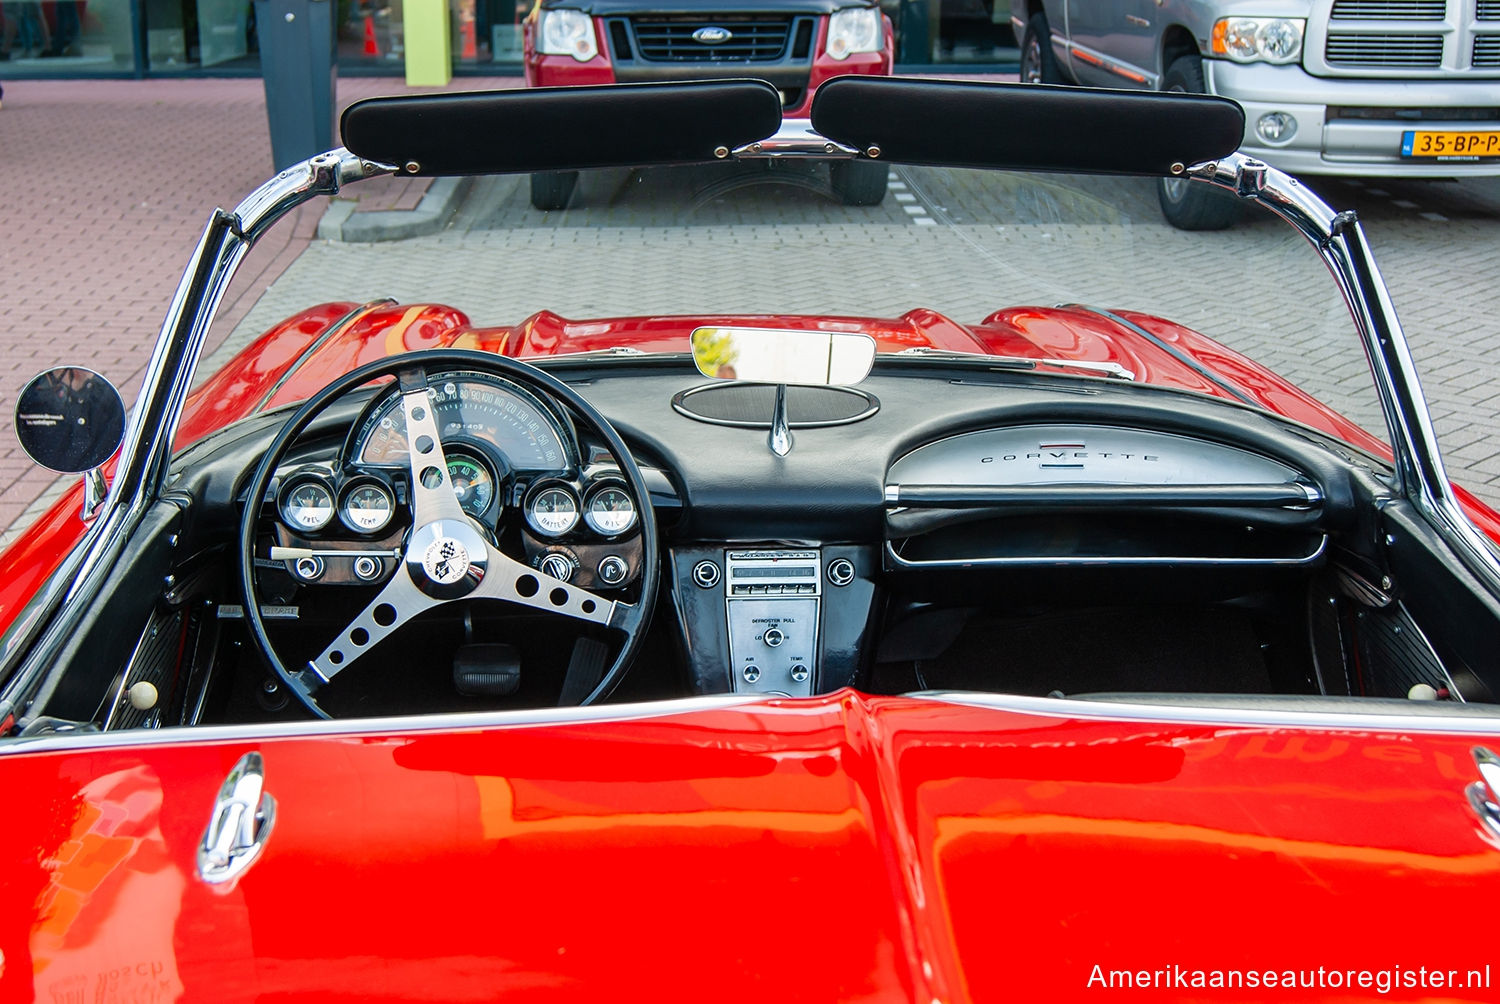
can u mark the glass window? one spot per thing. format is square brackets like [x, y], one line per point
[66, 37]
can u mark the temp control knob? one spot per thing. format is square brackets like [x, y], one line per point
[559, 566]
[773, 637]
[613, 569]
[799, 673]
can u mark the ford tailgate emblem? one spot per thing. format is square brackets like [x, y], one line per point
[712, 35]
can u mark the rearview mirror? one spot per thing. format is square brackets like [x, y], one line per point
[781, 356]
[70, 419]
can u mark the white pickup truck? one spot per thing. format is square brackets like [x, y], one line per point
[1377, 88]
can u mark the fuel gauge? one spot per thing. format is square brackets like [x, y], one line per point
[307, 504]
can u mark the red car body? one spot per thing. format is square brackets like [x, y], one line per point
[877, 849]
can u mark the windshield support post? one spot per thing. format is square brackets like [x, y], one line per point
[1340, 241]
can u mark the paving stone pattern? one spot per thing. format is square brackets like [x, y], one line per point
[107, 186]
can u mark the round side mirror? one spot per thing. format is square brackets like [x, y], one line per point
[70, 419]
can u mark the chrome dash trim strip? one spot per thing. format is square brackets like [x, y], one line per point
[1042, 561]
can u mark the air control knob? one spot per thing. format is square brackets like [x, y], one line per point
[559, 566]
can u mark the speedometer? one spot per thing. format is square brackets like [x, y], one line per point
[473, 407]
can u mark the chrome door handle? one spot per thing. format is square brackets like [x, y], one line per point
[1484, 794]
[241, 821]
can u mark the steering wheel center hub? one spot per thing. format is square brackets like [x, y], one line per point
[446, 558]
[445, 561]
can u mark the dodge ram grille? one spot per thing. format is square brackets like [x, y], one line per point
[1390, 10]
[1394, 51]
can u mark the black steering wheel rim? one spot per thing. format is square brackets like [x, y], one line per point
[303, 684]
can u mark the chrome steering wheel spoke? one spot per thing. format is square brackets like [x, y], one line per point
[398, 602]
[432, 494]
[509, 579]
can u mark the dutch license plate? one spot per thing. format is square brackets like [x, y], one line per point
[1448, 145]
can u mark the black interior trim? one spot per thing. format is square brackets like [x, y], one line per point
[1107, 496]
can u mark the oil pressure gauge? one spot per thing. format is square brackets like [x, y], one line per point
[552, 509]
[609, 510]
[306, 503]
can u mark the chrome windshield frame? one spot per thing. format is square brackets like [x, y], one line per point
[1340, 241]
[151, 428]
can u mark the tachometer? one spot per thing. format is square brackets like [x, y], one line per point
[608, 510]
[472, 482]
[476, 407]
[307, 503]
[368, 506]
[552, 510]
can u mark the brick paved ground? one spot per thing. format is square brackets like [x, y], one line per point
[106, 187]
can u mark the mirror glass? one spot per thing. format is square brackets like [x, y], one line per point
[70, 419]
[775, 355]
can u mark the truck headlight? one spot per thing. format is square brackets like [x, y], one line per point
[854, 29]
[1258, 39]
[567, 33]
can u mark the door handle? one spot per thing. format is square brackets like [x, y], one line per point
[241, 821]
[1484, 794]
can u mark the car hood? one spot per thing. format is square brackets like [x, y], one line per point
[835, 848]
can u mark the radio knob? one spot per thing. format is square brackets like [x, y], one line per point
[706, 574]
[773, 637]
[558, 565]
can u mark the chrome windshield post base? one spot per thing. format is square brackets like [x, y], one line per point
[95, 491]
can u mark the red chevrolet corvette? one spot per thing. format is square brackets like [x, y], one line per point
[714, 592]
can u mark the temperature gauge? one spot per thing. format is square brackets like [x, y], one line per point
[609, 510]
[553, 510]
[368, 507]
[307, 504]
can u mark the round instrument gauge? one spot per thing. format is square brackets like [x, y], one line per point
[609, 510]
[307, 504]
[472, 482]
[553, 510]
[368, 507]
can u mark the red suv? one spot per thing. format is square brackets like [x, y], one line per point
[793, 44]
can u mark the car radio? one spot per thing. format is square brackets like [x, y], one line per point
[772, 602]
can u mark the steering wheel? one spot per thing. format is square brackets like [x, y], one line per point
[445, 558]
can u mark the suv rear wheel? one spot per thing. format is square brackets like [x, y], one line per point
[1038, 64]
[552, 189]
[859, 182]
[1189, 205]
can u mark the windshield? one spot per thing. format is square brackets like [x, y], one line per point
[949, 259]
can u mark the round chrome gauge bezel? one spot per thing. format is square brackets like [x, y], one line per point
[300, 481]
[472, 456]
[589, 497]
[543, 489]
[347, 514]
